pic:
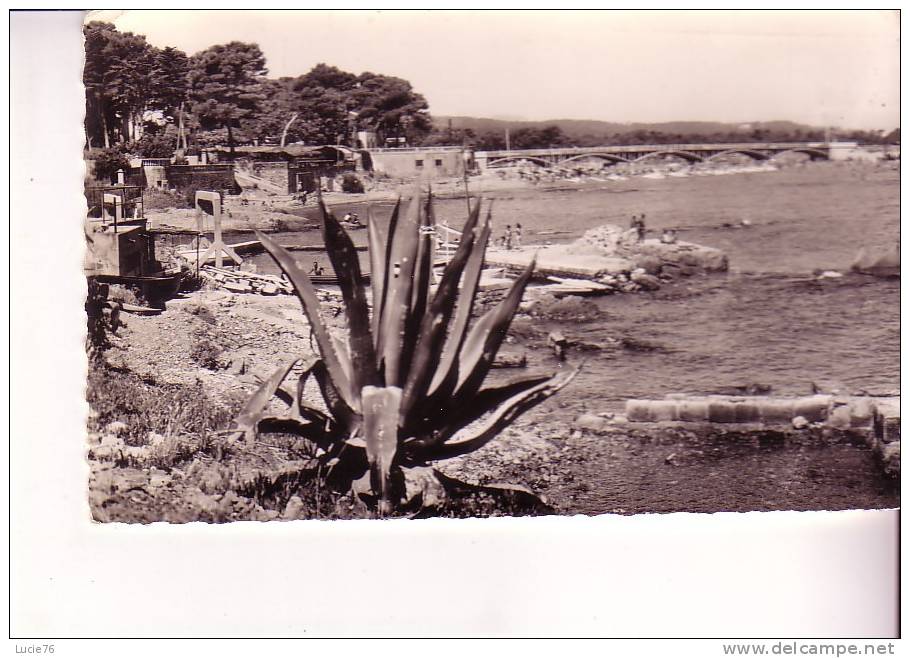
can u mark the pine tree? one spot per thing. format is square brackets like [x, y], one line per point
[225, 85]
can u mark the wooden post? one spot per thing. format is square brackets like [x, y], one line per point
[117, 202]
[218, 248]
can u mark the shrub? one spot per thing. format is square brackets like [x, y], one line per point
[206, 353]
[351, 184]
[107, 162]
[98, 325]
[407, 390]
[155, 146]
[202, 312]
[123, 294]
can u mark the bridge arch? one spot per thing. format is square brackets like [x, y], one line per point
[499, 162]
[685, 155]
[609, 157]
[813, 153]
[755, 155]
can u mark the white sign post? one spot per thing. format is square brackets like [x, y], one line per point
[218, 248]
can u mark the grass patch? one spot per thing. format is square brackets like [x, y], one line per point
[157, 199]
[146, 406]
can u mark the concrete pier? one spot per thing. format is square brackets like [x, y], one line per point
[559, 260]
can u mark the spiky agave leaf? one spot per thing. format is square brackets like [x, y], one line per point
[435, 323]
[380, 432]
[504, 416]
[420, 289]
[300, 409]
[378, 269]
[397, 292]
[386, 273]
[247, 421]
[346, 264]
[376, 427]
[484, 340]
[307, 295]
[428, 431]
[446, 376]
[347, 418]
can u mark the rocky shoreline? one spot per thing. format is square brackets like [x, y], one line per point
[215, 347]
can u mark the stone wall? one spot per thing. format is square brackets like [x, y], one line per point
[875, 418]
[219, 178]
[274, 172]
[730, 409]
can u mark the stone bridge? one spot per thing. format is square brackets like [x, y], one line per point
[692, 153]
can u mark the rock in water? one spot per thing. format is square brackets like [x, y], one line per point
[591, 422]
[878, 262]
[646, 281]
[649, 263]
[800, 423]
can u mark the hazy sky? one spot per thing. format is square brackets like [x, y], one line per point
[818, 67]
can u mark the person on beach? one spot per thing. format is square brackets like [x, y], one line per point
[635, 227]
[517, 239]
[507, 238]
[317, 270]
[347, 218]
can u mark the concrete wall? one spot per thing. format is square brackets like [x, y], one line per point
[127, 252]
[155, 176]
[418, 163]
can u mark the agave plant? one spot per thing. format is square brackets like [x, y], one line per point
[405, 389]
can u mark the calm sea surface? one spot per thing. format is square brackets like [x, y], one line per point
[767, 321]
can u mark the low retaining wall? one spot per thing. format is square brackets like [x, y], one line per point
[878, 418]
[745, 409]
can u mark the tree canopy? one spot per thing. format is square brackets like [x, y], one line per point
[331, 105]
[222, 92]
[225, 85]
[118, 81]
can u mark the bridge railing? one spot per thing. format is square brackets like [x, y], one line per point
[411, 149]
[573, 150]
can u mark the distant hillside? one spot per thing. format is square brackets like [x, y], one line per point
[577, 129]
